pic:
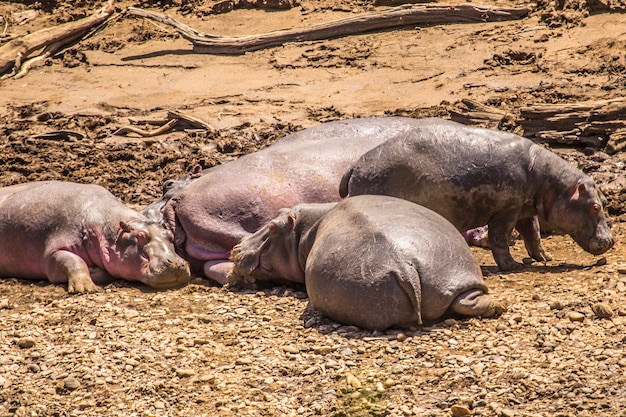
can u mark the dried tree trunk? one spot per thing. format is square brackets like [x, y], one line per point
[16, 51]
[393, 18]
[601, 124]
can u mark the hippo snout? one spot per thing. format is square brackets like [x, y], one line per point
[168, 273]
[599, 245]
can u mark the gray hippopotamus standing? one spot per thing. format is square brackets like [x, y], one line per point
[371, 261]
[61, 230]
[475, 177]
[212, 213]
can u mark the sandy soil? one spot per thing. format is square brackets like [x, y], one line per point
[202, 350]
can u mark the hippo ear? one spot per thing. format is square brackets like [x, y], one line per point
[196, 171]
[291, 221]
[580, 192]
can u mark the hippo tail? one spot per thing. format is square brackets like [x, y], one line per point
[345, 181]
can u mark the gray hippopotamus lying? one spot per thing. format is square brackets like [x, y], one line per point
[475, 177]
[370, 261]
[62, 230]
[212, 213]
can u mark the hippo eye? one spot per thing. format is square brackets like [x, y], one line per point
[143, 237]
[167, 185]
[596, 208]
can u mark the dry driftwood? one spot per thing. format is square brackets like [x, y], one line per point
[174, 117]
[14, 54]
[600, 124]
[474, 113]
[367, 22]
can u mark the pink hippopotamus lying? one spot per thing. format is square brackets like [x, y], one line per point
[370, 261]
[65, 231]
[212, 213]
[475, 177]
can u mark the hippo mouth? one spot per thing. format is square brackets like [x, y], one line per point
[168, 277]
[595, 245]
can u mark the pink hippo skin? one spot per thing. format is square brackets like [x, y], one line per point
[61, 231]
[372, 261]
[211, 214]
[475, 177]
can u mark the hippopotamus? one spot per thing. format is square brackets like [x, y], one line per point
[371, 261]
[65, 232]
[211, 213]
[475, 177]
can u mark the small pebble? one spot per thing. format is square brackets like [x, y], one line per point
[71, 383]
[185, 373]
[575, 316]
[26, 342]
[353, 381]
[505, 412]
[460, 411]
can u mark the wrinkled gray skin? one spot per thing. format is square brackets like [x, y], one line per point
[64, 232]
[370, 261]
[475, 177]
[214, 212]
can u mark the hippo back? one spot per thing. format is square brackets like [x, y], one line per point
[232, 200]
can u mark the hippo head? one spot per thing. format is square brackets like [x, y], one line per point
[144, 251]
[171, 189]
[579, 213]
[272, 252]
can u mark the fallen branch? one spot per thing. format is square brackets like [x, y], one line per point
[367, 22]
[174, 117]
[14, 54]
[193, 121]
[475, 113]
[146, 133]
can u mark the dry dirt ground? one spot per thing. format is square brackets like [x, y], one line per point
[202, 350]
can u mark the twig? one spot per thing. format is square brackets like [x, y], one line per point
[146, 133]
[191, 120]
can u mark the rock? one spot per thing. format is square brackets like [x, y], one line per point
[184, 373]
[290, 349]
[71, 383]
[505, 412]
[26, 342]
[556, 305]
[602, 310]
[460, 411]
[576, 316]
[353, 381]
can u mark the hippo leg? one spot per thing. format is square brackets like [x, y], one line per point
[218, 270]
[64, 266]
[500, 230]
[529, 229]
[474, 303]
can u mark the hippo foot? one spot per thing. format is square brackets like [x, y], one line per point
[218, 270]
[474, 303]
[507, 263]
[79, 284]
